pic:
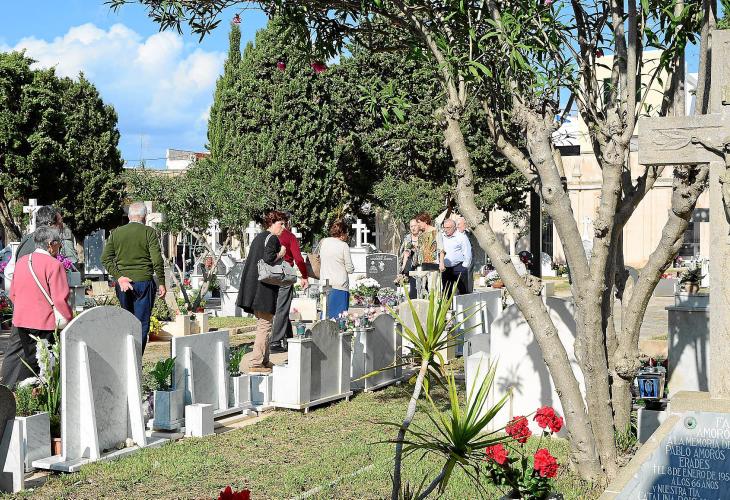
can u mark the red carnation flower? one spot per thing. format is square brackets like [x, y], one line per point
[318, 67]
[544, 416]
[497, 452]
[229, 494]
[519, 429]
[556, 424]
[281, 65]
[545, 464]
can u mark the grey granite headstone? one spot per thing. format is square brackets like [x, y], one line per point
[376, 348]
[692, 461]
[7, 407]
[382, 267]
[326, 360]
[200, 368]
[93, 248]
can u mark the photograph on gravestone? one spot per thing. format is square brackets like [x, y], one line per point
[383, 268]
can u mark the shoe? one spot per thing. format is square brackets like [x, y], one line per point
[276, 348]
[269, 365]
[259, 369]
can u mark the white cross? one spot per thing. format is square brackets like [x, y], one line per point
[379, 233]
[31, 208]
[296, 233]
[361, 233]
[251, 231]
[215, 230]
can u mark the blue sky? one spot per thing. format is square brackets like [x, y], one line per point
[161, 84]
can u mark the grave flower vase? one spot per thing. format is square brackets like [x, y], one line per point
[239, 391]
[168, 409]
[36, 437]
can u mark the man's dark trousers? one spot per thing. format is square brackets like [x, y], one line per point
[450, 276]
[139, 301]
[281, 328]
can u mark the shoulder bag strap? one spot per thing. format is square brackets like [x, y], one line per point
[43, 290]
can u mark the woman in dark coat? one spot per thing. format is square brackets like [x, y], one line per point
[259, 298]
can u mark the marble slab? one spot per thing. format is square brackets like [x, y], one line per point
[200, 368]
[12, 476]
[375, 348]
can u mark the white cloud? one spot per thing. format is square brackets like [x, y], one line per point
[160, 87]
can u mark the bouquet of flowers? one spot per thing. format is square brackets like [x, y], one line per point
[350, 321]
[364, 291]
[6, 311]
[388, 297]
[492, 278]
[520, 476]
[67, 264]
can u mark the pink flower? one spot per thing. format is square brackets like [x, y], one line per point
[318, 67]
[280, 65]
[237, 19]
[548, 3]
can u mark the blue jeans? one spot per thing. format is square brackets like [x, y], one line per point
[338, 301]
[139, 301]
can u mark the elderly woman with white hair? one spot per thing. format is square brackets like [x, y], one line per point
[39, 286]
[132, 256]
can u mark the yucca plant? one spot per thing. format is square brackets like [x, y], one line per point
[439, 332]
[460, 435]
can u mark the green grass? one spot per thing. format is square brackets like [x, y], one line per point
[282, 457]
[230, 322]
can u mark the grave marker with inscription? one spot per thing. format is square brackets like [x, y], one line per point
[383, 268]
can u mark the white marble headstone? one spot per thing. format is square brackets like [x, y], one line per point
[376, 348]
[200, 368]
[521, 367]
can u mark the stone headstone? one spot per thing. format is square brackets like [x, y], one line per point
[200, 369]
[318, 369]
[690, 461]
[406, 316]
[546, 264]
[376, 348]
[522, 368]
[101, 351]
[689, 347]
[478, 310]
[7, 408]
[93, 248]
[230, 283]
[382, 267]
[12, 457]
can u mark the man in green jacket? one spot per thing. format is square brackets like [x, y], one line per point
[132, 255]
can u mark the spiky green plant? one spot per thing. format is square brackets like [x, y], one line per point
[461, 434]
[438, 333]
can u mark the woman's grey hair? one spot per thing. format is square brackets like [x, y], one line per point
[137, 210]
[45, 235]
[46, 216]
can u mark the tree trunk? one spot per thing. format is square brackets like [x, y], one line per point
[527, 297]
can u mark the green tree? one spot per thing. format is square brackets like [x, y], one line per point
[58, 143]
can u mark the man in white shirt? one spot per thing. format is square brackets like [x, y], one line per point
[455, 258]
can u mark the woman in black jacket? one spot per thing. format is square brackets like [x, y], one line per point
[259, 298]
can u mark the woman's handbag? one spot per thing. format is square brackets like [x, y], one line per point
[281, 274]
[314, 263]
[61, 321]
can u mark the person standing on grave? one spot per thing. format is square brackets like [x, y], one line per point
[39, 285]
[409, 256]
[336, 266]
[256, 297]
[282, 329]
[132, 256]
[455, 258]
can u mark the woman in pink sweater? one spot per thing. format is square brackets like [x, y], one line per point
[32, 313]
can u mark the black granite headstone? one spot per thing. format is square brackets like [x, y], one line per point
[691, 462]
[382, 267]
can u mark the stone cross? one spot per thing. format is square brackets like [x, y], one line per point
[587, 223]
[697, 140]
[31, 208]
[361, 233]
[215, 230]
[296, 233]
[251, 231]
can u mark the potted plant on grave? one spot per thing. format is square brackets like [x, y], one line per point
[33, 422]
[388, 297]
[521, 474]
[494, 280]
[365, 291]
[168, 402]
[214, 287]
[238, 392]
[47, 388]
[690, 280]
[6, 312]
